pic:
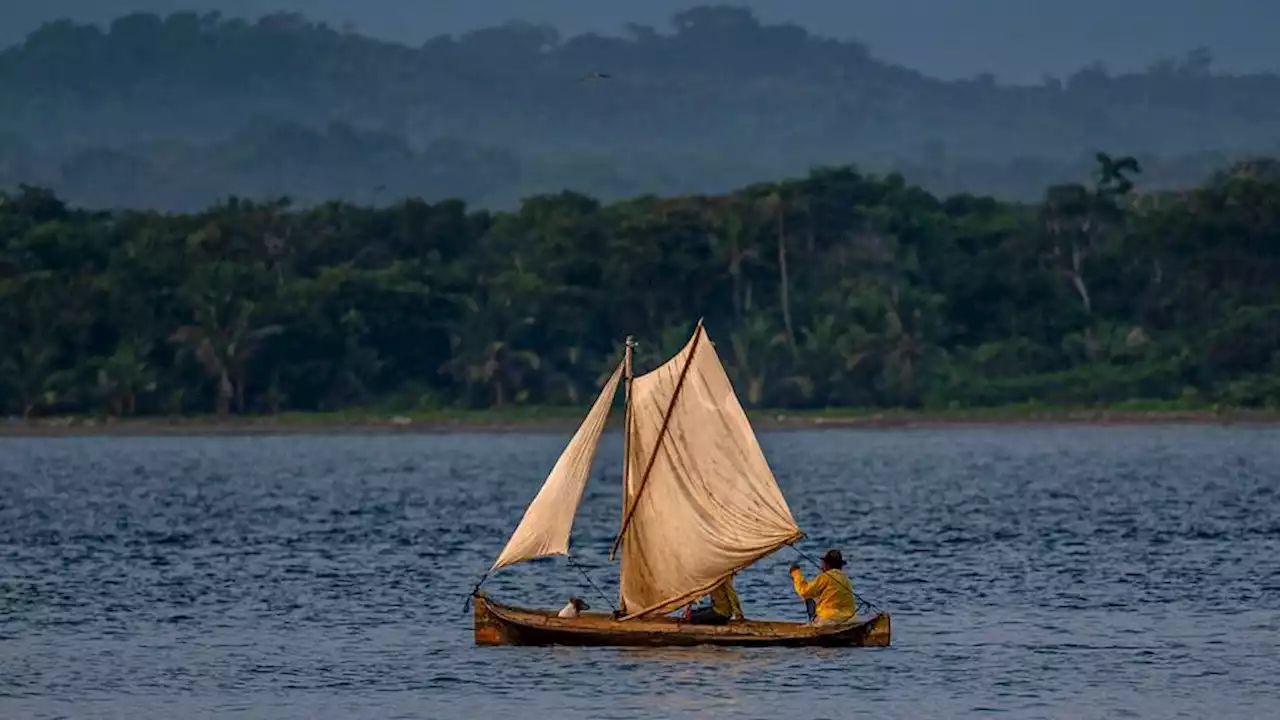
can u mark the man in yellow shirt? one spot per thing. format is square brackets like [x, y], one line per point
[831, 591]
[725, 605]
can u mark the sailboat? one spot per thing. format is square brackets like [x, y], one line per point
[700, 503]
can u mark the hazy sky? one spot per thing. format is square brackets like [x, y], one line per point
[1018, 40]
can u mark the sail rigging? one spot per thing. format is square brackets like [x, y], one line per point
[546, 525]
[700, 500]
[699, 504]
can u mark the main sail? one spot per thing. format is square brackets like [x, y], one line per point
[545, 527]
[700, 502]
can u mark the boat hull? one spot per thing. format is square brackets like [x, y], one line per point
[498, 624]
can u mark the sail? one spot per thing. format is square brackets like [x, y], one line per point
[709, 504]
[544, 529]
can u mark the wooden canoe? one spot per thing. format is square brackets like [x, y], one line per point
[498, 624]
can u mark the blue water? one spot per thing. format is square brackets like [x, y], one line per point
[1031, 573]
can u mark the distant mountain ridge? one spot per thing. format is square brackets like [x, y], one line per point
[721, 100]
[1013, 39]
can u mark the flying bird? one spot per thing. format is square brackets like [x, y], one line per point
[596, 76]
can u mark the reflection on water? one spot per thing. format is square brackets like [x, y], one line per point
[1080, 573]
[727, 660]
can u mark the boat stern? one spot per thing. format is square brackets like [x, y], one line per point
[877, 632]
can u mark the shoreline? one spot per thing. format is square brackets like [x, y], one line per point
[566, 420]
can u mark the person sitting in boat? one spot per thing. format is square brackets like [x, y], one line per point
[574, 608]
[724, 606]
[831, 592]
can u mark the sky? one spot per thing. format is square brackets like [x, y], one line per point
[1016, 40]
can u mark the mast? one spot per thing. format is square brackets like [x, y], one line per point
[627, 375]
[653, 457]
[706, 503]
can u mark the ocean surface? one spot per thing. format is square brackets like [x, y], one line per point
[1031, 573]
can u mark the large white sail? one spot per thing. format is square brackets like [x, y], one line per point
[700, 502]
[545, 527]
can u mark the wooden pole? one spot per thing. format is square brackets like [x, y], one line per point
[627, 374]
[666, 420]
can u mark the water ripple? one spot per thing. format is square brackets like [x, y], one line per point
[1044, 573]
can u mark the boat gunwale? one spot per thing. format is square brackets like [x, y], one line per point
[744, 630]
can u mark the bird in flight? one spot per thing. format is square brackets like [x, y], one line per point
[596, 76]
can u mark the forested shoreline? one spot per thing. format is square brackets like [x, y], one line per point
[835, 290]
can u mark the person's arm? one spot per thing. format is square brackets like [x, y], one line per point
[806, 590]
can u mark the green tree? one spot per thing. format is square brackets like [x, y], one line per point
[224, 349]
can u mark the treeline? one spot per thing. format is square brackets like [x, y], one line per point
[839, 289]
[171, 112]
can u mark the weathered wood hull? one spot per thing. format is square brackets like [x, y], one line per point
[498, 624]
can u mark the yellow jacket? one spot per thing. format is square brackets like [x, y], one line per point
[725, 600]
[831, 591]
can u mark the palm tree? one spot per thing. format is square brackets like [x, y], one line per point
[480, 353]
[906, 320]
[753, 343]
[1111, 177]
[1069, 215]
[830, 349]
[498, 366]
[225, 351]
[903, 346]
[733, 222]
[564, 379]
[775, 205]
[32, 366]
[124, 375]
[359, 363]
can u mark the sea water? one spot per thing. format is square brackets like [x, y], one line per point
[1030, 573]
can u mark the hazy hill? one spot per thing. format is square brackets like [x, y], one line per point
[721, 100]
[1015, 40]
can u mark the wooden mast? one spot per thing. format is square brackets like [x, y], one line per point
[662, 431]
[627, 374]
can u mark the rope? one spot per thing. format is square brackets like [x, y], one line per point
[861, 602]
[466, 604]
[590, 582]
